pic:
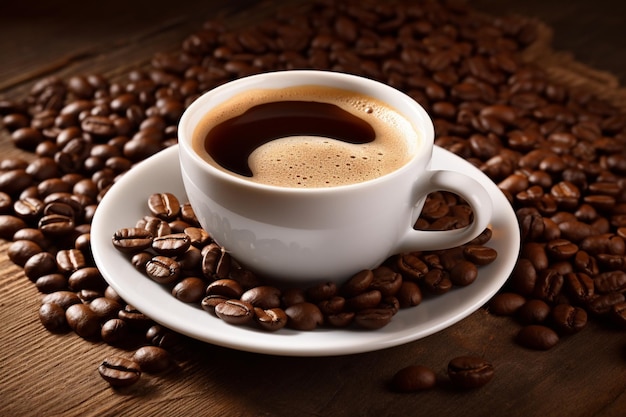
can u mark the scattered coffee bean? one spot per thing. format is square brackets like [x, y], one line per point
[538, 337]
[119, 372]
[414, 378]
[152, 359]
[470, 372]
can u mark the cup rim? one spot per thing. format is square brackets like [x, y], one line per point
[418, 117]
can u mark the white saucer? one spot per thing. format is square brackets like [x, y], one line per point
[126, 202]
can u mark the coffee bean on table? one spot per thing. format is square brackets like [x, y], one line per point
[52, 316]
[115, 331]
[414, 378]
[470, 371]
[119, 372]
[83, 320]
[568, 319]
[62, 298]
[533, 311]
[538, 337]
[152, 359]
[506, 303]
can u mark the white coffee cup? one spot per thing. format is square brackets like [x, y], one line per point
[305, 235]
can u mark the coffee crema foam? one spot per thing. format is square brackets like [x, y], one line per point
[311, 161]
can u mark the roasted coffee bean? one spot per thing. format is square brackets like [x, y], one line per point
[568, 319]
[88, 278]
[470, 372]
[162, 337]
[463, 273]
[411, 267]
[52, 316]
[304, 316]
[409, 295]
[115, 331]
[134, 317]
[83, 320]
[271, 319]
[332, 306]
[603, 304]
[264, 297]
[321, 291]
[365, 300]
[548, 285]
[164, 205]
[373, 318]
[163, 269]
[226, 287]
[209, 302]
[70, 260]
[506, 303]
[105, 308]
[358, 283]
[189, 290]
[51, 282]
[216, 262]
[132, 240]
[607, 282]
[154, 225]
[152, 359]
[197, 236]
[414, 378]
[20, 251]
[342, 319]
[537, 337]
[386, 280]
[55, 225]
[437, 281]
[561, 249]
[140, 260]
[9, 225]
[119, 372]
[533, 311]
[235, 311]
[480, 255]
[580, 286]
[62, 298]
[29, 208]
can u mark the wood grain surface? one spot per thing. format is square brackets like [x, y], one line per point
[45, 374]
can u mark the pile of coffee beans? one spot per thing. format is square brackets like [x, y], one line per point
[557, 152]
[169, 246]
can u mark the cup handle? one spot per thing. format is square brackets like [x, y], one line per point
[468, 188]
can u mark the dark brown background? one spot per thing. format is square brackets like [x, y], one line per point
[45, 374]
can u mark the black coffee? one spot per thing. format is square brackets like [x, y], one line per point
[308, 136]
[232, 142]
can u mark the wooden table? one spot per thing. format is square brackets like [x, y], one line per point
[55, 375]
